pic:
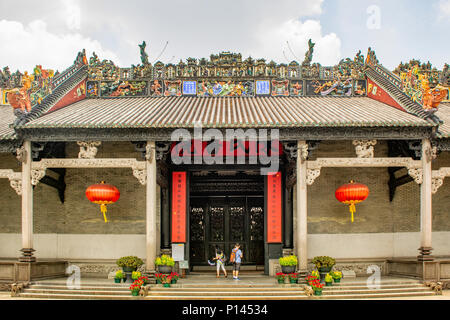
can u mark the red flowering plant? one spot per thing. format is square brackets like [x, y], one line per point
[316, 285]
[280, 276]
[293, 276]
[144, 279]
[311, 278]
[175, 276]
[136, 286]
[166, 279]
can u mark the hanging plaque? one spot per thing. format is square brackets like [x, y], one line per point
[179, 207]
[274, 209]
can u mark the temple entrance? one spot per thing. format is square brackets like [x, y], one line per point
[221, 222]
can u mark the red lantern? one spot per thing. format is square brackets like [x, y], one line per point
[103, 194]
[352, 194]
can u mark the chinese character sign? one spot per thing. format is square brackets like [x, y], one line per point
[274, 209]
[190, 88]
[263, 87]
[179, 207]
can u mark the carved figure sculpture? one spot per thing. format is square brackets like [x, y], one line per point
[144, 55]
[309, 53]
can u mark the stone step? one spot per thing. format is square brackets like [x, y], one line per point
[76, 296]
[87, 292]
[227, 293]
[294, 297]
[82, 287]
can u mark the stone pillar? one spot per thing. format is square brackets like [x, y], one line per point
[426, 221]
[27, 206]
[288, 221]
[151, 209]
[302, 206]
[165, 219]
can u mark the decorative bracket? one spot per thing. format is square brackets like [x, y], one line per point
[162, 149]
[364, 148]
[36, 176]
[416, 174]
[438, 177]
[15, 179]
[88, 150]
[141, 175]
[312, 175]
[21, 154]
[304, 152]
[149, 153]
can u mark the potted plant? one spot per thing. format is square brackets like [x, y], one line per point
[135, 288]
[328, 280]
[280, 277]
[324, 264]
[175, 276]
[135, 275]
[130, 263]
[165, 264]
[119, 276]
[293, 277]
[166, 280]
[158, 277]
[311, 278]
[317, 287]
[337, 276]
[288, 264]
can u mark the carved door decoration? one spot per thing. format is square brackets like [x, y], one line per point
[220, 222]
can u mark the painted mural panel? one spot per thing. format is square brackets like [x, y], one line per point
[280, 88]
[296, 89]
[360, 88]
[338, 88]
[123, 88]
[92, 89]
[156, 88]
[225, 88]
[172, 88]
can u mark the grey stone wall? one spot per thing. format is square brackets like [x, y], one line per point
[325, 214]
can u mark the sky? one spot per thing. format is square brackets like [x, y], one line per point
[51, 33]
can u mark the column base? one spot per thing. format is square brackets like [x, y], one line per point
[425, 254]
[27, 255]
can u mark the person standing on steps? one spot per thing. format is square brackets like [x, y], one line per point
[236, 258]
[220, 263]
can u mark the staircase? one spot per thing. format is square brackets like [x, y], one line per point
[207, 287]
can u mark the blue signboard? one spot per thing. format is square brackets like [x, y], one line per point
[190, 88]
[263, 87]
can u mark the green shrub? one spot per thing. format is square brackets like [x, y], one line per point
[130, 262]
[288, 261]
[328, 278]
[324, 262]
[119, 274]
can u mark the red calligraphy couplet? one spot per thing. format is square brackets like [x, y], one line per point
[178, 207]
[274, 209]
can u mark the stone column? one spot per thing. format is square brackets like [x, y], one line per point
[151, 208]
[302, 206]
[426, 221]
[27, 206]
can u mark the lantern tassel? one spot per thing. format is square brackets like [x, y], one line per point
[103, 209]
[352, 211]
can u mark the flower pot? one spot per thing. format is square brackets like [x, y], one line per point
[328, 284]
[337, 280]
[165, 269]
[135, 293]
[323, 272]
[117, 280]
[128, 269]
[317, 292]
[288, 269]
[293, 281]
[281, 281]
[124, 279]
[173, 281]
[158, 281]
[167, 285]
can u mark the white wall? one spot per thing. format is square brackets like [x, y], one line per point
[341, 246]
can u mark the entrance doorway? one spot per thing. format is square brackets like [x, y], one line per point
[221, 221]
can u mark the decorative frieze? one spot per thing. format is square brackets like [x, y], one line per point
[364, 162]
[311, 176]
[88, 150]
[364, 148]
[141, 175]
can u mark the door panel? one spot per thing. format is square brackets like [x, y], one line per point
[220, 222]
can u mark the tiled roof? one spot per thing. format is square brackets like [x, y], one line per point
[444, 115]
[6, 119]
[257, 112]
